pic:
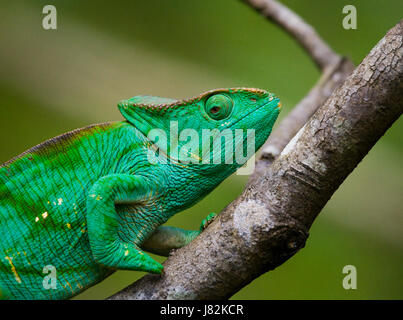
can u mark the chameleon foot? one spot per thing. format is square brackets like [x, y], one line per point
[140, 261]
[207, 221]
[148, 264]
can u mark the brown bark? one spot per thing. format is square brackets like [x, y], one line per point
[270, 221]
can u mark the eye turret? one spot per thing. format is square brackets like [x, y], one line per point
[218, 106]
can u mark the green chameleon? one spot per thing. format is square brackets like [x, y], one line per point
[88, 202]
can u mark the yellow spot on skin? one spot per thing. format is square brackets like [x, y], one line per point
[98, 198]
[126, 252]
[195, 156]
[36, 219]
[10, 261]
[68, 225]
[45, 214]
[59, 201]
[82, 230]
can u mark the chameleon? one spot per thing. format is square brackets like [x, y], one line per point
[94, 200]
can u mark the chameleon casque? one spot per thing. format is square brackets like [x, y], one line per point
[90, 201]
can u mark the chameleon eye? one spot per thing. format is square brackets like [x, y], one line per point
[219, 106]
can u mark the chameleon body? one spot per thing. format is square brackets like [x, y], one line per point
[90, 201]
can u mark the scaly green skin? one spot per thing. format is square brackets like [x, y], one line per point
[90, 201]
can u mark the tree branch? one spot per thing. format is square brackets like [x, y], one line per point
[329, 81]
[255, 212]
[269, 222]
[335, 70]
[296, 27]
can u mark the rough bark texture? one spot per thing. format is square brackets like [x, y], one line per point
[269, 222]
[335, 70]
[333, 76]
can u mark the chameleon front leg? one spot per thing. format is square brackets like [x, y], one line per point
[165, 238]
[103, 221]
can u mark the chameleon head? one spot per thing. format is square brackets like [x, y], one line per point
[218, 127]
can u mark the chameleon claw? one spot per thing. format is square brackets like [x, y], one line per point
[207, 221]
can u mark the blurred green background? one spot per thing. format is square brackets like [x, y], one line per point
[102, 51]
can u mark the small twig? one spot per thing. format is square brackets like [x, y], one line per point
[335, 70]
[294, 25]
[295, 120]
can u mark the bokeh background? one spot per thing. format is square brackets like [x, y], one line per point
[103, 51]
